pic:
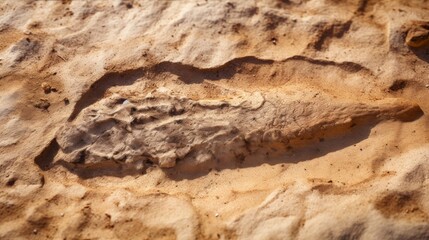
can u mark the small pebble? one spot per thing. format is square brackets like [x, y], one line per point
[46, 87]
[217, 215]
[274, 41]
[62, 214]
[35, 231]
[427, 85]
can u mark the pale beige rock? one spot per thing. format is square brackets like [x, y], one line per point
[134, 119]
[418, 34]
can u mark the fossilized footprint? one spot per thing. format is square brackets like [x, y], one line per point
[162, 128]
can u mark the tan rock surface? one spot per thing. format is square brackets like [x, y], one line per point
[293, 119]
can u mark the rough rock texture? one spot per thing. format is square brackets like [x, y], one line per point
[164, 129]
[272, 119]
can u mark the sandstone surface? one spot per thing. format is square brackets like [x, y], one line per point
[196, 119]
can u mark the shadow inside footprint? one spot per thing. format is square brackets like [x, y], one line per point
[422, 53]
